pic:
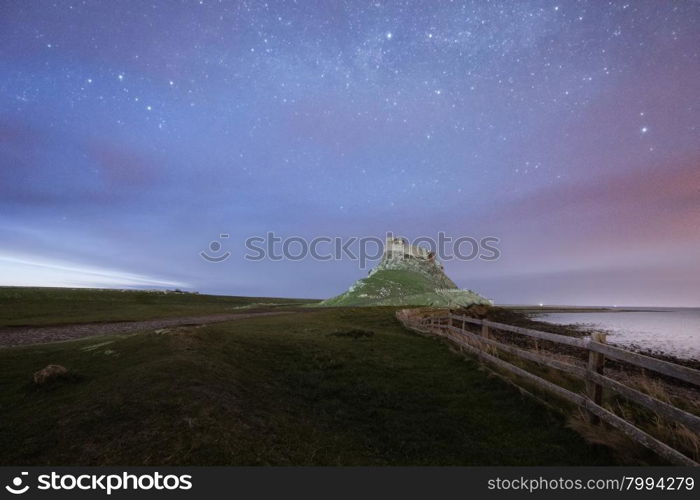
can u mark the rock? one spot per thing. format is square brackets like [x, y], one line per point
[477, 311]
[51, 372]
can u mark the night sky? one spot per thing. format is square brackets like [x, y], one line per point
[133, 133]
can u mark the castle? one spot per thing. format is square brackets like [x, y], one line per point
[398, 248]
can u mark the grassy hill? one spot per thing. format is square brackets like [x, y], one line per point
[384, 286]
[321, 387]
[43, 306]
[406, 283]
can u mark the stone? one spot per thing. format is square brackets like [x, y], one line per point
[51, 372]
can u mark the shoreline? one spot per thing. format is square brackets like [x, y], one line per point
[583, 330]
[589, 309]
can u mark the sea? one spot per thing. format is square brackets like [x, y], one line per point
[671, 331]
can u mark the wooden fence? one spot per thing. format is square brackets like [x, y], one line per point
[483, 345]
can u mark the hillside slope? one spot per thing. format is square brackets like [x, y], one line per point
[405, 280]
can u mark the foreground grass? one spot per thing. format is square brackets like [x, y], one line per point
[296, 389]
[33, 306]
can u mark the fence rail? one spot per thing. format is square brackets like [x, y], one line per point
[486, 348]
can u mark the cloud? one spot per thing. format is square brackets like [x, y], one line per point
[673, 185]
[124, 168]
[29, 270]
[645, 209]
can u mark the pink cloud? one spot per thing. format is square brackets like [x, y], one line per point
[121, 167]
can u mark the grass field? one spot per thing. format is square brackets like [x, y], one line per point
[53, 306]
[305, 388]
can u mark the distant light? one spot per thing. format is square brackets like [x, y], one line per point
[148, 108]
[121, 77]
[389, 35]
[541, 304]
[645, 130]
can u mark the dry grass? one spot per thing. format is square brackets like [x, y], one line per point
[626, 451]
[675, 434]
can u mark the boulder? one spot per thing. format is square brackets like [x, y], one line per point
[51, 372]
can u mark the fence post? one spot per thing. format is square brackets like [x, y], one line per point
[596, 363]
[486, 333]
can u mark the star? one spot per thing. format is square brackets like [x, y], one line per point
[465, 95]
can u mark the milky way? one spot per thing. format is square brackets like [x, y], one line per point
[134, 133]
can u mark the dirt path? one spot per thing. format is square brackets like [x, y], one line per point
[26, 335]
